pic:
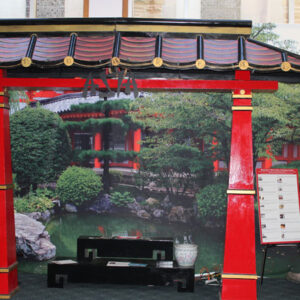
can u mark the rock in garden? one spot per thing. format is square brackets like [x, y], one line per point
[158, 213]
[152, 202]
[34, 215]
[32, 240]
[134, 206]
[166, 203]
[139, 199]
[143, 214]
[101, 205]
[70, 208]
[178, 214]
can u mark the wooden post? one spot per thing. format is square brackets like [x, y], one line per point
[8, 263]
[239, 270]
[137, 135]
[97, 147]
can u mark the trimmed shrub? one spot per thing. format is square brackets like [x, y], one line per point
[121, 199]
[33, 202]
[40, 147]
[212, 201]
[77, 185]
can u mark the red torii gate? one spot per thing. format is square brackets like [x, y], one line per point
[186, 49]
[239, 272]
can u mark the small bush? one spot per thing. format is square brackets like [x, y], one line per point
[121, 199]
[212, 201]
[33, 202]
[77, 185]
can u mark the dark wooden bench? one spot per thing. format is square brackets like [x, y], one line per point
[122, 261]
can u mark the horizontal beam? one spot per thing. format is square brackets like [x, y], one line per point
[143, 84]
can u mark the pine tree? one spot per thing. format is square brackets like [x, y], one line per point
[105, 125]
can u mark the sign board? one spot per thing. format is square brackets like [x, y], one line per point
[278, 204]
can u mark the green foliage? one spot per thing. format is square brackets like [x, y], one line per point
[102, 106]
[77, 185]
[40, 145]
[95, 124]
[121, 199]
[212, 201]
[177, 168]
[265, 33]
[112, 155]
[38, 201]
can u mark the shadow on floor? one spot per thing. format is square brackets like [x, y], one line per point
[34, 287]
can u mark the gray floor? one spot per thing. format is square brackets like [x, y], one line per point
[34, 287]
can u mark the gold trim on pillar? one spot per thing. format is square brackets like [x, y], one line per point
[242, 96]
[6, 186]
[239, 276]
[9, 295]
[242, 108]
[241, 192]
[2, 93]
[10, 268]
[4, 105]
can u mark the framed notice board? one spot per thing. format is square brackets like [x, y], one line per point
[278, 203]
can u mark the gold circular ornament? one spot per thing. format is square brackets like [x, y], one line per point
[26, 62]
[243, 64]
[200, 63]
[157, 62]
[69, 61]
[242, 92]
[115, 61]
[285, 66]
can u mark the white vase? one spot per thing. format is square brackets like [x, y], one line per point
[186, 254]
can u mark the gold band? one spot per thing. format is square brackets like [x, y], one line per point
[4, 105]
[241, 192]
[9, 295]
[6, 186]
[242, 107]
[239, 276]
[2, 93]
[10, 268]
[241, 96]
[126, 28]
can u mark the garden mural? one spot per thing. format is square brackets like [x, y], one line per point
[175, 191]
[175, 181]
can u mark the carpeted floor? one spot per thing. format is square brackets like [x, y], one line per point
[34, 287]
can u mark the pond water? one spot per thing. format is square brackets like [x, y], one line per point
[64, 231]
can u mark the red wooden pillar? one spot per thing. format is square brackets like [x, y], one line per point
[239, 269]
[137, 135]
[97, 147]
[8, 263]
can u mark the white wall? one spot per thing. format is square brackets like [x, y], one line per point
[73, 8]
[11, 9]
[105, 8]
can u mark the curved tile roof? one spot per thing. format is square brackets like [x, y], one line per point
[139, 43]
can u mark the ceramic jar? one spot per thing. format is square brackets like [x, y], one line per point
[186, 254]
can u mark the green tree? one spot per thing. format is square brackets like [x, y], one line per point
[40, 147]
[108, 126]
[265, 33]
[173, 154]
[207, 117]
